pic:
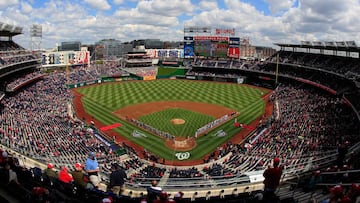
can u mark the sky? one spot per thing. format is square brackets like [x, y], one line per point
[264, 22]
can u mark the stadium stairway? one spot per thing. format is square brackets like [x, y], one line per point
[164, 179]
[298, 195]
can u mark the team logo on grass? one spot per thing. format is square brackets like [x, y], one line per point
[182, 155]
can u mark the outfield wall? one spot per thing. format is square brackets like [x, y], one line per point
[99, 81]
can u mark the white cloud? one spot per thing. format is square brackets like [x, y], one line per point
[208, 5]
[117, 2]
[99, 4]
[7, 3]
[26, 7]
[324, 18]
[66, 20]
[276, 6]
[14, 16]
[133, 16]
[166, 7]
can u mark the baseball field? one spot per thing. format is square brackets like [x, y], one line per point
[175, 107]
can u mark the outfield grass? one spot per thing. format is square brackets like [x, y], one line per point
[101, 100]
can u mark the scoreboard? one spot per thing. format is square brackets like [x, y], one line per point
[211, 46]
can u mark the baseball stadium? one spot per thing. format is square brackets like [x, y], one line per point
[202, 122]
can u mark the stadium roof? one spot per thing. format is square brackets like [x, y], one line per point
[9, 30]
[339, 46]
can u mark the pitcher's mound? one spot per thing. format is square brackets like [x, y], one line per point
[177, 121]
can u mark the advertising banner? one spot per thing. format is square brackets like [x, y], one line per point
[65, 58]
[222, 31]
[162, 53]
[234, 42]
[152, 53]
[233, 52]
[174, 53]
[149, 77]
[188, 47]
[234, 47]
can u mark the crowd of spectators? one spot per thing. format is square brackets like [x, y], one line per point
[212, 74]
[226, 63]
[68, 100]
[95, 71]
[142, 71]
[307, 125]
[106, 69]
[340, 74]
[81, 74]
[7, 60]
[17, 82]
[33, 124]
[218, 169]
[185, 173]
[146, 174]
[9, 46]
[211, 63]
[109, 69]
[333, 72]
[16, 56]
[49, 185]
[346, 66]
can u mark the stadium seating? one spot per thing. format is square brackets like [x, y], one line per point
[305, 129]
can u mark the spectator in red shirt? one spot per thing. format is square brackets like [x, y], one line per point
[65, 176]
[272, 177]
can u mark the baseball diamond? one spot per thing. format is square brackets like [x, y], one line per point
[154, 106]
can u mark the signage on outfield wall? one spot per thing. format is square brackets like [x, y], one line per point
[240, 80]
[182, 155]
[149, 77]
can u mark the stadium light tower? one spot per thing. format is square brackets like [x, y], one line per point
[35, 37]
